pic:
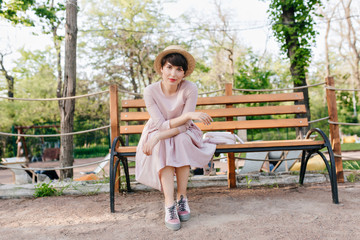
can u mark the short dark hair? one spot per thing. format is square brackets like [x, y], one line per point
[175, 59]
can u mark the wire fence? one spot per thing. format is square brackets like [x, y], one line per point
[53, 135]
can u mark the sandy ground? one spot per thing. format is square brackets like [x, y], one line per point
[291, 212]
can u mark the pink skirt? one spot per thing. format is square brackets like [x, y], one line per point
[184, 149]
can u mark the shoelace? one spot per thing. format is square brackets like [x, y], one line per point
[172, 211]
[181, 204]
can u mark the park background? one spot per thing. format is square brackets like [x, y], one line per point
[233, 41]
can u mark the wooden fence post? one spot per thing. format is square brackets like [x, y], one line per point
[334, 128]
[114, 125]
[230, 156]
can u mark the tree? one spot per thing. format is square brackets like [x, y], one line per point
[345, 103]
[219, 46]
[8, 77]
[293, 26]
[16, 11]
[34, 74]
[328, 16]
[67, 107]
[121, 41]
[48, 15]
[349, 36]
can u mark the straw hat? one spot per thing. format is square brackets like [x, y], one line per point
[175, 49]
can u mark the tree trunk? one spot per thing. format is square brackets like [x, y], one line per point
[297, 70]
[67, 108]
[9, 78]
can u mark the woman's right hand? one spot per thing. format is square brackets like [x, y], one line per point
[200, 116]
[150, 144]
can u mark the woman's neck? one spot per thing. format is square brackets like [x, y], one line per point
[169, 90]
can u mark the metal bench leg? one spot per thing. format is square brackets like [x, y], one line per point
[112, 182]
[127, 175]
[331, 169]
[112, 172]
[332, 176]
[304, 161]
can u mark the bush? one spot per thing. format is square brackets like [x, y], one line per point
[45, 190]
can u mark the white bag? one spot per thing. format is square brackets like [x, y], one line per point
[221, 138]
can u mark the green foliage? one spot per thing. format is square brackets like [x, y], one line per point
[293, 26]
[35, 78]
[345, 104]
[353, 177]
[120, 43]
[14, 11]
[89, 152]
[23, 12]
[351, 165]
[252, 76]
[248, 181]
[45, 190]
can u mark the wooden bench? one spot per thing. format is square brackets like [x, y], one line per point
[225, 110]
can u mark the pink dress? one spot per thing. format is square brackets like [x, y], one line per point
[186, 148]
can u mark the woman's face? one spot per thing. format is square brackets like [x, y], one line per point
[172, 75]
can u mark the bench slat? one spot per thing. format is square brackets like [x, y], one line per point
[257, 144]
[253, 98]
[227, 112]
[234, 99]
[233, 125]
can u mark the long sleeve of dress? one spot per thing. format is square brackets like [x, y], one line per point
[190, 104]
[155, 112]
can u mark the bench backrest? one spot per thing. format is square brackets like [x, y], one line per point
[223, 109]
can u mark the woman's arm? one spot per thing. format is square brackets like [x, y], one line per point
[160, 135]
[189, 111]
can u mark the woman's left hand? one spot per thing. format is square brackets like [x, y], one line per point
[150, 144]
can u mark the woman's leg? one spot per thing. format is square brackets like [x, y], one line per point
[182, 177]
[172, 220]
[167, 182]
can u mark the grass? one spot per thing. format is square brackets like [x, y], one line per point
[353, 177]
[350, 147]
[351, 165]
[91, 152]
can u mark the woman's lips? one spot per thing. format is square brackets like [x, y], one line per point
[172, 79]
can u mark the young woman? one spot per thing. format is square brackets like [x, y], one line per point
[170, 142]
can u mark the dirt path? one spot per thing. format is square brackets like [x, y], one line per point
[217, 213]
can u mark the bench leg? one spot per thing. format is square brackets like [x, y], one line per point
[304, 160]
[331, 168]
[112, 171]
[332, 175]
[231, 170]
[113, 181]
[124, 162]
